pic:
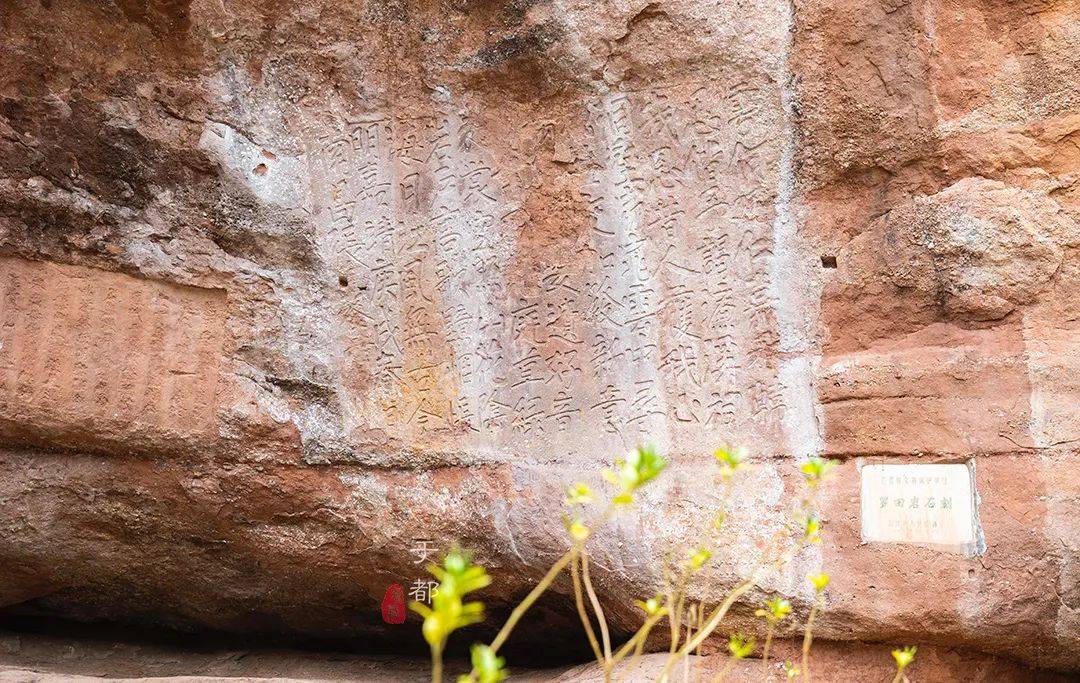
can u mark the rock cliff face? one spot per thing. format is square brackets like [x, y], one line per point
[289, 288]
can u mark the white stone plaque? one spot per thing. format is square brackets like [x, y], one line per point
[935, 505]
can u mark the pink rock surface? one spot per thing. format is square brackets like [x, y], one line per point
[288, 287]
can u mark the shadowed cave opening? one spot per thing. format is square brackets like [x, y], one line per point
[547, 637]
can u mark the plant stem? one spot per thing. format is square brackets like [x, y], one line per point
[636, 656]
[899, 676]
[637, 642]
[532, 597]
[688, 667]
[673, 622]
[436, 664]
[597, 609]
[637, 651]
[580, 602]
[718, 615]
[808, 638]
[678, 599]
[697, 651]
[768, 644]
[639, 637]
[714, 620]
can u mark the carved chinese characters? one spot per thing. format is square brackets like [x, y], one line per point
[94, 354]
[657, 322]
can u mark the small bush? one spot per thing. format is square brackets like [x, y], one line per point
[689, 623]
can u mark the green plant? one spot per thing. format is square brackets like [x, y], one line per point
[790, 670]
[638, 468]
[819, 581]
[628, 475]
[775, 611]
[458, 577]
[487, 667]
[731, 460]
[579, 494]
[689, 624]
[817, 470]
[903, 657]
[806, 525]
[811, 528]
[739, 647]
[650, 606]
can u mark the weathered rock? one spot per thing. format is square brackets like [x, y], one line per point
[288, 287]
[36, 658]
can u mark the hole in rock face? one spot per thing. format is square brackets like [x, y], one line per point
[828, 261]
[343, 281]
[260, 169]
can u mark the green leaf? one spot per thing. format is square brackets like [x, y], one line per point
[458, 577]
[741, 646]
[436, 628]
[816, 470]
[420, 608]
[639, 467]
[487, 665]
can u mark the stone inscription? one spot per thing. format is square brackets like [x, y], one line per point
[926, 504]
[104, 353]
[659, 322]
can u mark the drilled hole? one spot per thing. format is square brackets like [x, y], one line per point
[828, 261]
[343, 281]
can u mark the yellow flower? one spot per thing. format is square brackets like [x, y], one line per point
[650, 606]
[730, 459]
[579, 494]
[812, 529]
[819, 581]
[817, 470]
[775, 609]
[904, 656]
[577, 529]
[698, 559]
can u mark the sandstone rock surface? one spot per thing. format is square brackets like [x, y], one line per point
[51, 659]
[288, 287]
